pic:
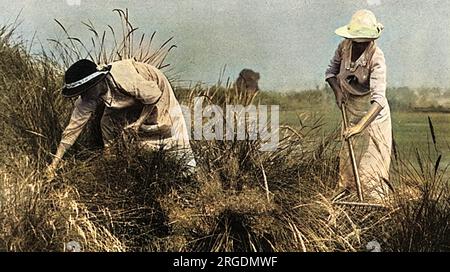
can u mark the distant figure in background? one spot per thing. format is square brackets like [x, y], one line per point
[247, 82]
[357, 75]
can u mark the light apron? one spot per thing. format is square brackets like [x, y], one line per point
[372, 147]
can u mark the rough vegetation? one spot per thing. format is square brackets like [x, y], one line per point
[241, 199]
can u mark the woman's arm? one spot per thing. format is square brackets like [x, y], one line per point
[334, 84]
[367, 119]
[62, 148]
[334, 66]
[332, 72]
[146, 111]
[378, 94]
[80, 116]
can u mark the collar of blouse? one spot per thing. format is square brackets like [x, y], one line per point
[361, 61]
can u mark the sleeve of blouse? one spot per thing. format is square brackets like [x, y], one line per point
[130, 81]
[378, 78]
[146, 91]
[80, 116]
[335, 64]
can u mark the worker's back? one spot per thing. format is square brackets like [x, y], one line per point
[168, 111]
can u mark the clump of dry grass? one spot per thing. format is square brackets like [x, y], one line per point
[229, 209]
[36, 215]
[28, 97]
[107, 46]
[422, 220]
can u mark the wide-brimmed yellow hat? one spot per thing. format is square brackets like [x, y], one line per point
[364, 25]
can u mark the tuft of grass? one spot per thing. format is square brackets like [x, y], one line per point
[107, 46]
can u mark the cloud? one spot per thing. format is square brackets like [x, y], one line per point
[374, 2]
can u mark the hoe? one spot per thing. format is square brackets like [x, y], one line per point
[361, 202]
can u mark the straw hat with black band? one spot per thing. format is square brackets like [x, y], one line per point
[82, 76]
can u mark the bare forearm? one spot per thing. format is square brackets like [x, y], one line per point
[146, 111]
[155, 129]
[62, 148]
[371, 115]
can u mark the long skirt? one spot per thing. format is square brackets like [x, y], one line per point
[372, 150]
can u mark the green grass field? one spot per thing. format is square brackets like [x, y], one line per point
[411, 128]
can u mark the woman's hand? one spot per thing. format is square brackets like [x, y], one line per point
[352, 131]
[371, 115]
[134, 127]
[50, 172]
[339, 97]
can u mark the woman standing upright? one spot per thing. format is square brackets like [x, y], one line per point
[357, 75]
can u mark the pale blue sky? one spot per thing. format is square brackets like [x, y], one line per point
[288, 41]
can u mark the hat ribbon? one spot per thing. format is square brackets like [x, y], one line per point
[84, 80]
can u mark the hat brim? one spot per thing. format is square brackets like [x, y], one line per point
[73, 92]
[343, 32]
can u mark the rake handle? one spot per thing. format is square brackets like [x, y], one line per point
[352, 155]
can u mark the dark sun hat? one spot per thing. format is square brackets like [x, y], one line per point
[82, 76]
